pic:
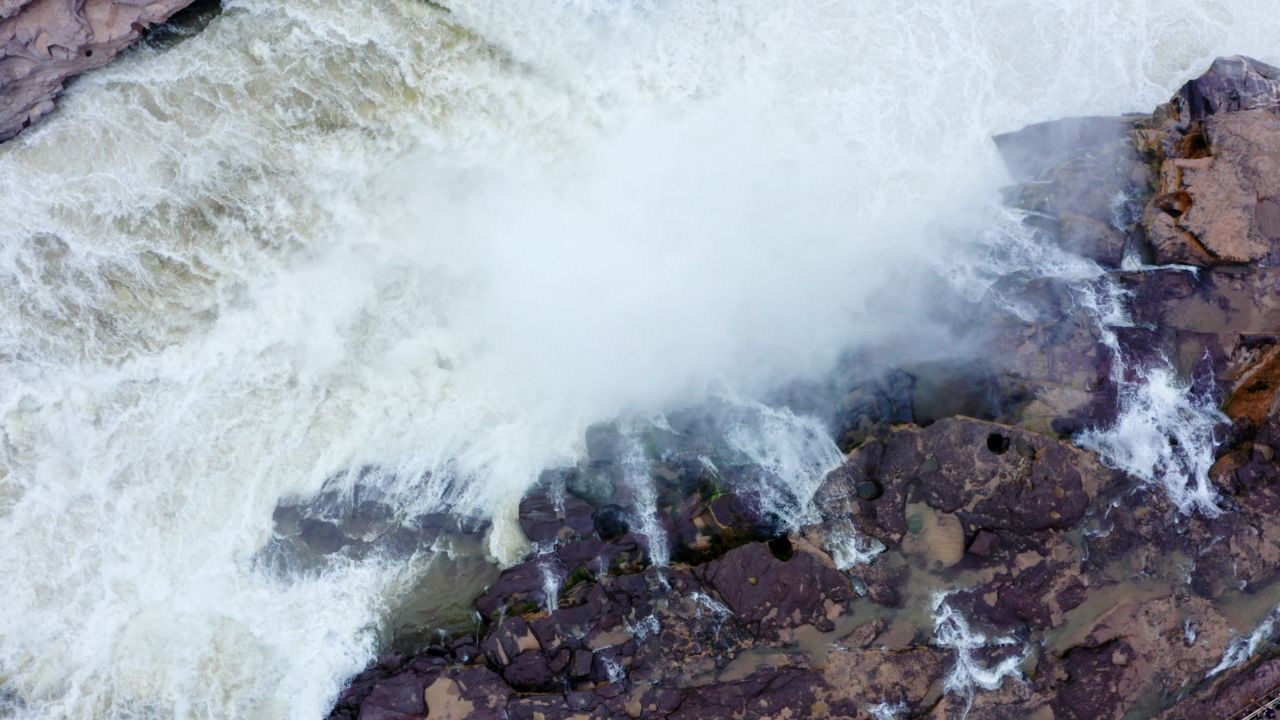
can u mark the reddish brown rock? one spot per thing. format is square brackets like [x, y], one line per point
[1220, 208]
[778, 586]
[1255, 394]
[1217, 141]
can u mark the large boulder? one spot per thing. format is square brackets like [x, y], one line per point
[779, 586]
[993, 477]
[1222, 207]
[1215, 199]
[1231, 84]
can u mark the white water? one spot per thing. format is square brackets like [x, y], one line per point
[322, 234]
[887, 711]
[1243, 647]
[968, 675]
[636, 472]
[1164, 435]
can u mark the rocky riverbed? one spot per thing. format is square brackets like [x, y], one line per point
[985, 549]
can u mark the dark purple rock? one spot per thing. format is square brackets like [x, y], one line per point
[771, 595]
[545, 518]
[580, 665]
[465, 650]
[505, 641]
[396, 698]
[530, 672]
[321, 536]
[1091, 687]
[611, 523]
[1231, 84]
[984, 543]
[518, 590]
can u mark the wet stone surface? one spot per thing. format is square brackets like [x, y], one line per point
[964, 559]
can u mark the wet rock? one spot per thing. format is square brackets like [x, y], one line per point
[871, 404]
[984, 543]
[1231, 84]
[610, 523]
[397, 698]
[1244, 553]
[509, 640]
[605, 444]
[320, 536]
[1037, 592]
[1128, 656]
[709, 529]
[765, 693]
[467, 693]
[519, 590]
[889, 675]
[1083, 166]
[1094, 239]
[551, 515]
[773, 594]
[45, 42]
[1230, 692]
[351, 517]
[1034, 151]
[530, 672]
[1053, 368]
[990, 476]
[945, 389]
[1116, 598]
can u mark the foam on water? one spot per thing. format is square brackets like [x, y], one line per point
[888, 711]
[324, 234]
[1163, 434]
[968, 675]
[637, 474]
[551, 584]
[1164, 430]
[795, 454]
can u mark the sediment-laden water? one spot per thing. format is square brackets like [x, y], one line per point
[320, 236]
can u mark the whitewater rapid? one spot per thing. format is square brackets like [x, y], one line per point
[324, 234]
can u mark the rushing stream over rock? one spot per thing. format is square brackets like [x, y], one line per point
[651, 359]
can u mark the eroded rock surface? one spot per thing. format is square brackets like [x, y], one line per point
[43, 43]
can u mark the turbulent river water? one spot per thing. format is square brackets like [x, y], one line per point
[324, 234]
